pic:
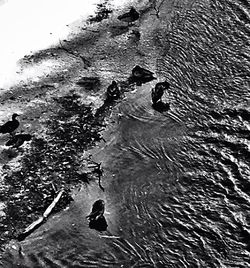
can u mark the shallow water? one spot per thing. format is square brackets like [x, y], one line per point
[177, 184]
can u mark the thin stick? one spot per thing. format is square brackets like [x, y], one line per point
[99, 182]
[77, 55]
[52, 205]
[33, 226]
[98, 170]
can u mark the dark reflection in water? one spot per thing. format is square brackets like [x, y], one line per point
[100, 224]
[161, 106]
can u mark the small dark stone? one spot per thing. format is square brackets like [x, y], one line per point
[89, 83]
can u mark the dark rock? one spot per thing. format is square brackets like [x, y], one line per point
[89, 83]
[130, 16]
[102, 12]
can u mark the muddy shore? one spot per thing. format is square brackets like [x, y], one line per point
[66, 113]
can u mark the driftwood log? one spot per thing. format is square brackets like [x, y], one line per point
[48, 211]
[33, 226]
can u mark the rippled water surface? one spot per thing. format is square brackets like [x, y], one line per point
[178, 183]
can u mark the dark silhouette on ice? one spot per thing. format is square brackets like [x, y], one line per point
[141, 75]
[158, 91]
[130, 16]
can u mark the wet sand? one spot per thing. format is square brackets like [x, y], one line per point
[53, 105]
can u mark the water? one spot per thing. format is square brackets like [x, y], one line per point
[177, 184]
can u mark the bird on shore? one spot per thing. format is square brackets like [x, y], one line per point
[130, 16]
[113, 91]
[158, 91]
[141, 75]
[10, 126]
[18, 140]
[97, 210]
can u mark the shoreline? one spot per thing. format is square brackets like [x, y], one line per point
[32, 173]
[53, 110]
[59, 106]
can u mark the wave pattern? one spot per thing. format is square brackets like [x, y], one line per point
[213, 59]
[182, 185]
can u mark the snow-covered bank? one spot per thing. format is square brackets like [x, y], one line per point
[42, 103]
[53, 107]
[27, 26]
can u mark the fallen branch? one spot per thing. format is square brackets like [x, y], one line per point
[52, 205]
[86, 29]
[33, 226]
[97, 170]
[157, 9]
[76, 55]
[99, 182]
[110, 236]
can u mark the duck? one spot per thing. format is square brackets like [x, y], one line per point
[113, 91]
[97, 210]
[18, 140]
[130, 16]
[10, 126]
[158, 91]
[141, 75]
